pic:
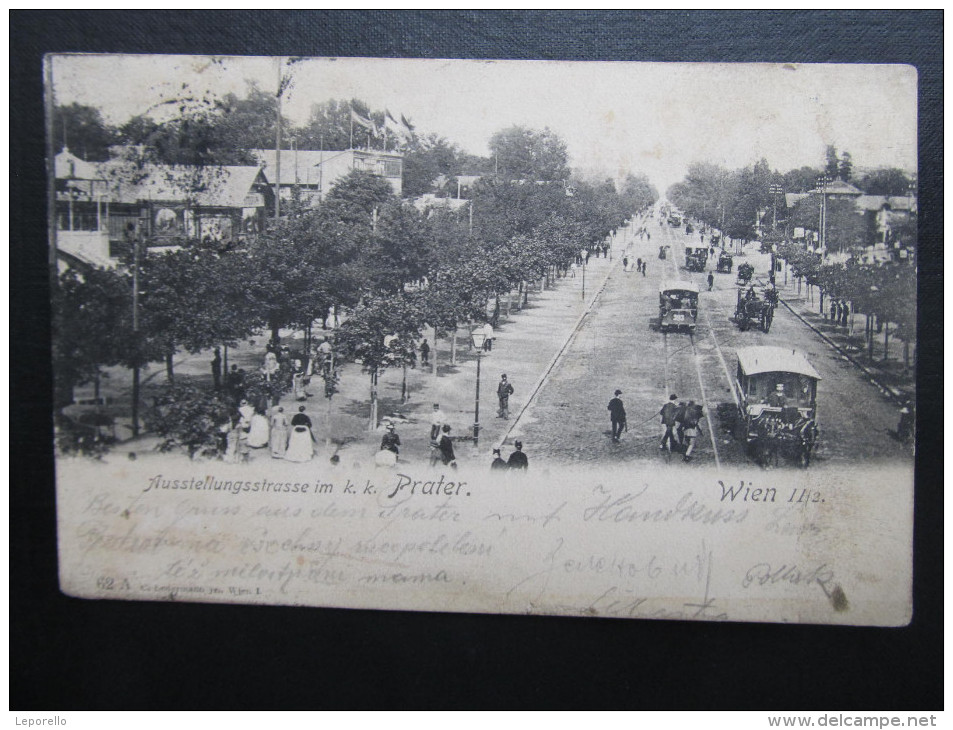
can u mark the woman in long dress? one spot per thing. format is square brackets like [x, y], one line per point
[301, 441]
[279, 433]
[258, 430]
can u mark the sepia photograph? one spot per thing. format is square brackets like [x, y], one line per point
[498, 336]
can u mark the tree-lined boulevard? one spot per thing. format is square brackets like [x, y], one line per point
[367, 303]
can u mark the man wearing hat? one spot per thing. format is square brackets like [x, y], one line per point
[777, 399]
[390, 441]
[503, 391]
[518, 459]
[617, 416]
[668, 413]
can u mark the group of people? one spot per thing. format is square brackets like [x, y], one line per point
[681, 423]
[840, 312]
[516, 460]
[639, 265]
[249, 429]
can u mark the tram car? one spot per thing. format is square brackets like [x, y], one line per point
[776, 393]
[696, 258]
[678, 306]
[725, 262]
[754, 310]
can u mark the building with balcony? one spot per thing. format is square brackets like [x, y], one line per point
[101, 208]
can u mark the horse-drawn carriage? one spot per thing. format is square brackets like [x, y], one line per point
[678, 305]
[725, 262]
[689, 228]
[745, 272]
[776, 392]
[753, 310]
[696, 258]
[662, 252]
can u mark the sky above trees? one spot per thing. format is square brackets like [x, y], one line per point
[615, 118]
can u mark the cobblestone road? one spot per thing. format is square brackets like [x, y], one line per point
[616, 347]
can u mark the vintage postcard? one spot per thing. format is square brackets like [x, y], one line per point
[624, 340]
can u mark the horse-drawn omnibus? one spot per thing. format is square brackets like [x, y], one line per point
[776, 392]
[678, 305]
[696, 258]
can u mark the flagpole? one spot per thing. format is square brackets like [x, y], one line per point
[352, 125]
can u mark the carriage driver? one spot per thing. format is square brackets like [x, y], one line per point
[777, 398]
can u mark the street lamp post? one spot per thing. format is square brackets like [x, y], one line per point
[478, 337]
[582, 255]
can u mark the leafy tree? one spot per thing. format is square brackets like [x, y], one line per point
[190, 418]
[832, 167]
[425, 160]
[249, 122]
[328, 127]
[193, 299]
[81, 128]
[366, 336]
[528, 154]
[401, 248]
[92, 325]
[802, 180]
[638, 193]
[362, 190]
[846, 167]
[885, 181]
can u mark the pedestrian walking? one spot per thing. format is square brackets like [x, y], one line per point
[625, 263]
[617, 416]
[278, 440]
[498, 462]
[711, 280]
[424, 353]
[488, 334]
[691, 425]
[638, 265]
[445, 447]
[644, 264]
[518, 459]
[845, 313]
[436, 421]
[667, 413]
[503, 392]
[301, 441]
[217, 369]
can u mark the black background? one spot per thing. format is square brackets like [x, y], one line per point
[75, 654]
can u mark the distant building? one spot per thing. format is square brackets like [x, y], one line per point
[102, 207]
[315, 172]
[837, 189]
